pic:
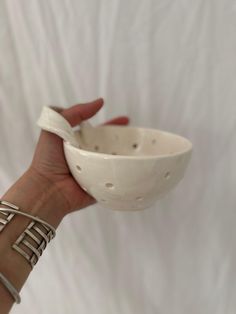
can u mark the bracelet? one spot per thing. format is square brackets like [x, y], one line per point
[35, 218]
[39, 236]
[8, 285]
[16, 210]
[8, 218]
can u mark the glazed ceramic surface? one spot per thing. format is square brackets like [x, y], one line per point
[127, 168]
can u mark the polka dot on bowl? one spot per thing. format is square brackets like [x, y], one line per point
[78, 168]
[167, 175]
[109, 185]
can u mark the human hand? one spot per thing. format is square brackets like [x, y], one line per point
[46, 190]
[49, 160]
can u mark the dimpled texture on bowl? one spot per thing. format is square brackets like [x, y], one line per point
[127, 168]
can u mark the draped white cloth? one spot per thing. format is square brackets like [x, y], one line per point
[169, 65]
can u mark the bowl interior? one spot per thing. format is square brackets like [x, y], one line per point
[131, 141]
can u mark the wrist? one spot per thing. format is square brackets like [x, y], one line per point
[38, 196]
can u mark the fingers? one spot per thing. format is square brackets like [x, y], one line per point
[77, 113]
[123, 120]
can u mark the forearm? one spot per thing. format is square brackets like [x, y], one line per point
[39, 197]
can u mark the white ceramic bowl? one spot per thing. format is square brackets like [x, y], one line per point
[127, 168]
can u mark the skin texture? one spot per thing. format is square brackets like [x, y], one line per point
[47, 190]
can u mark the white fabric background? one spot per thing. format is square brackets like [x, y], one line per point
[168, 64]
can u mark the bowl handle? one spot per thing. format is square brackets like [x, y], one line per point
[54, 122]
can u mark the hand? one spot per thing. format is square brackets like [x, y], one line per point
[49, 160]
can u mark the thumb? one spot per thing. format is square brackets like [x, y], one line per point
[77, 113]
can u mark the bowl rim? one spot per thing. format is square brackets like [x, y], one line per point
[134, 157]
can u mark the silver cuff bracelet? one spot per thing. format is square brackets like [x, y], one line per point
[39, 232]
